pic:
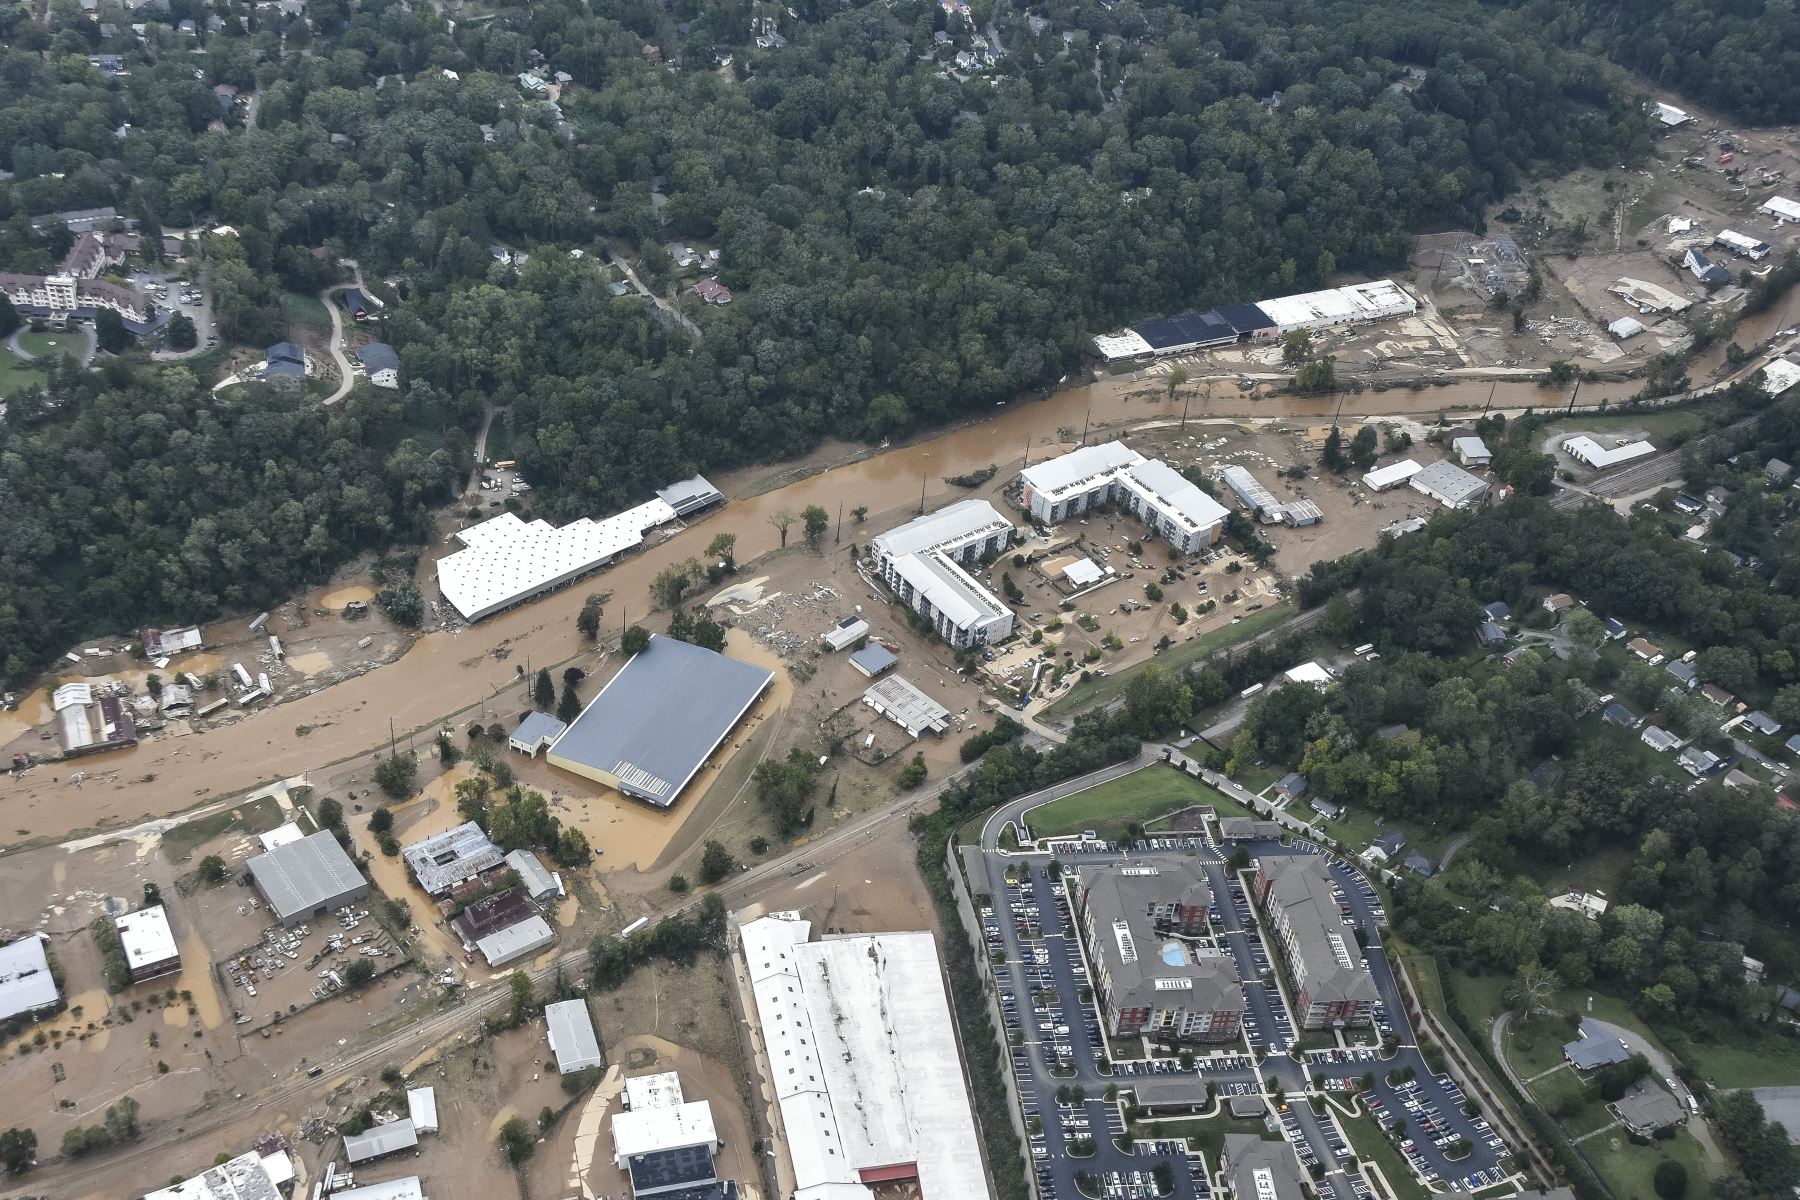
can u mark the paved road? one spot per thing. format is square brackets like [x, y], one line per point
[1048, 958]
[637, 285]
[346, 376]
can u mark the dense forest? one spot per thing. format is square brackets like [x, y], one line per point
[149, 497]
[907, 240]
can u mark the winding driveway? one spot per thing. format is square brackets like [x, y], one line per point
[346, 377]
[89, 345]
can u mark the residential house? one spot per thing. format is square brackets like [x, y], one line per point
[1591, 905]
[1499, 610]
[1472, 452]
[284, 360]
[1595, 1048]
[1387, 847]
[1684, 674]
[1705, 269]
[1617, 714]
[1645, 650]
[1793, 744]
[1659, 739]
[1559, 603]
[382, 364]
[1698, 762]
[1776, 472]
[1326, 808]
[1615, 628]
[1490, 635]
[1646, 1108]
[1418, 864]
[1292, 786]
[534, 84]
[1762, 722]
[1716, 694]
[1687, 505]
[711, 291]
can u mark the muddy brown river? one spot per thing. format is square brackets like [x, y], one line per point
[444, 673]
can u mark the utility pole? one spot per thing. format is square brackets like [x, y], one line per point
[390, 737]
[1490, 399]
[1572, 396]
[1185, 397]
[1084, 424]
[922, 478]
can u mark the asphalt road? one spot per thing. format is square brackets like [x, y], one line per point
[1047, 957]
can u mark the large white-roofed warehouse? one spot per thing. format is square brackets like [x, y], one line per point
[650, 730]
[308, 878]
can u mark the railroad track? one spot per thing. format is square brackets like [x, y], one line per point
[1660, 469]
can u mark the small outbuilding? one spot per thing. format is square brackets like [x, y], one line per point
[873, 659]
[572, 1038]
[538, 731]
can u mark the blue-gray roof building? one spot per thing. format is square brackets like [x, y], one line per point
[650, 730]
[1594, 1048]
[873, 659]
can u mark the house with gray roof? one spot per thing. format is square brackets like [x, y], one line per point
[1684, 673]
[1387, 847]
[1617, 714]
[1762, 722]
[1248, 829]
[538, 731]
[1698, 762]
[1659, 739]
[1332, 989]
[1595, 1048]
[1141, 923]
[1292, 786]
[1646, 1108]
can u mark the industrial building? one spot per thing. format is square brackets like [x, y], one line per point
[906, 706]
[1449, 484]
[663, 1141]
[1137, 925]
[690, 496]
[1332, 989]
[572, 1039]
[26, 982]
[165, 643]
[866, 1101]
[1779, 375]
[1149, 489]
[1780, 208]
[846, 633]
[534, 878]
[441, 862]
[249, 1176]
[651, 729]
[924, 560]
[1250, 492]
[503, 927]
[306, 879]
[90, 720]
[872, 660]
[421, 1109]
[1472, 451]
[1230, 324]
[1391, 476]
[379, 1141]
[506, 560]
[147, 944]
[1585, 449]
[406, 1188]
[1743, 247]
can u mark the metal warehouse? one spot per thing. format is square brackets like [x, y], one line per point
[307, 878]
[650, 730]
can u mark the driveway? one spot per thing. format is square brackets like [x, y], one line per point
[346, 374]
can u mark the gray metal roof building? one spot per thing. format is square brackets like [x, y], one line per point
[516, 941]
[442, 861]
[1261, 1170]
[872, 660]
[572, 1037]
[1449, 484]
[1595, 1048]
[651, 729]
[380, 1140]
[308, 878]
[906, 706]
[533, 877]
[690, 495]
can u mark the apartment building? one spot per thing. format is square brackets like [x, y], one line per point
[1331, 986]
[924, 562]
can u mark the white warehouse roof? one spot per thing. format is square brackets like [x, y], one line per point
[145, 937]
[1781, 209]
[25, 980]
[572, 1037]
[947, 528]
[857, 1094]
[1595, 455]
[505, 560]
[421, 1109]
[647, 1130]
[1337, 306]
[1173, 495]
[1779, 375]
[408, 1188]
[1382, 478]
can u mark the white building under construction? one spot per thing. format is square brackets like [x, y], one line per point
[1173, 507]
[924, 560]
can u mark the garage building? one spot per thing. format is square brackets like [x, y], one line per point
[650, 730]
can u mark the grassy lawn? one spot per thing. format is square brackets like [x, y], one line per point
[1628, 1168]
[1258, 779]
[1654, 424]
[1139, 797]
[257, 816]
[305, 310]
[1535, 1046]
[1094, 690]
[1372, 1146]
[1748, 1063]
[49, 345]
[16, 374]
[499, 440]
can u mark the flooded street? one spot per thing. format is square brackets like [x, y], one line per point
[451, 676]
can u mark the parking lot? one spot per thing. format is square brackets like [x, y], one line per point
[1063, 1064]
[179, 294]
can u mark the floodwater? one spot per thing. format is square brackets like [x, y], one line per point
[196, 979]
[334, 601]
[447, 676]
[309, 664]
[431, 812]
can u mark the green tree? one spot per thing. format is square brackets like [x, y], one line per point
[543, 692]
[860, 513]
[520, 997]
[1332, 456]
[330, 814]
[716, 862]
[211, 870]
[568, 707]
[723, 549]
[9, 324]
[634, 640]
[912, 774]
[785, 788]
[1296, 347]
[1364, 447]
[179, 333]
[402, 602]
[397, 774]
[816, 521]
[18, 1147]
[110, 332]
[587, 622]
[358, 974]
[516, 1140]
[1670, 1179]
[381, 820]
[1319, 375]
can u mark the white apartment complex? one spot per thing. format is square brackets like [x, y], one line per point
[1171, 505]
[923, 562]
